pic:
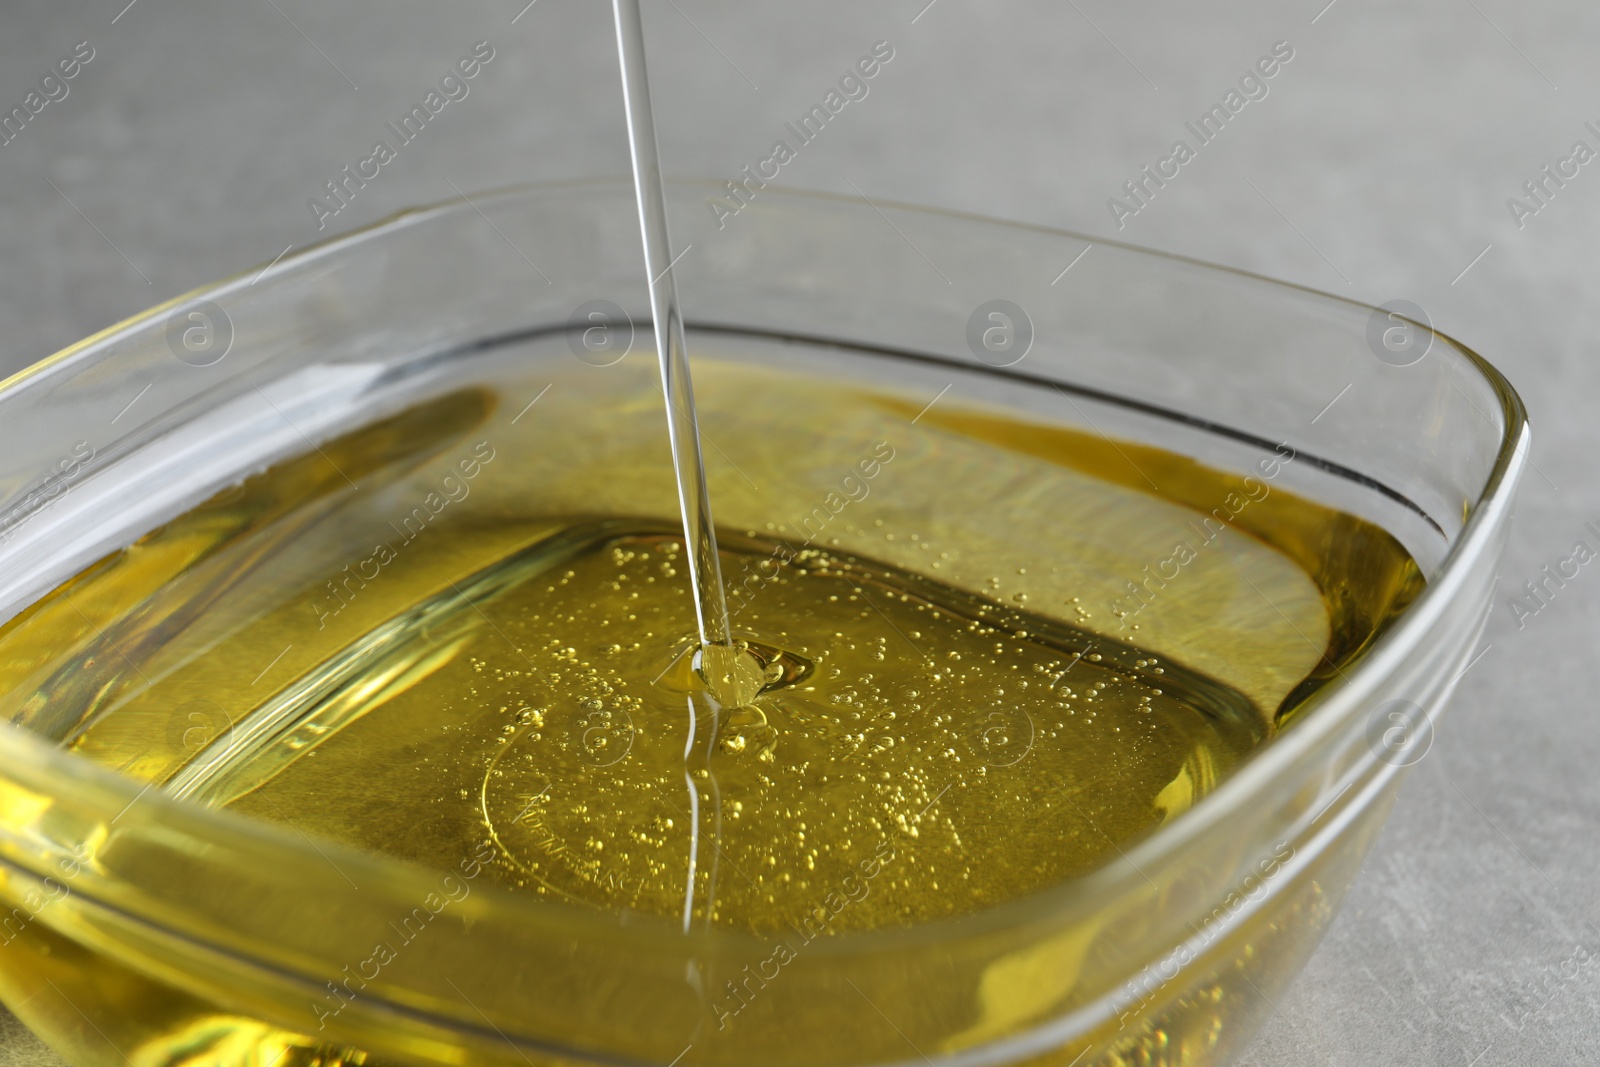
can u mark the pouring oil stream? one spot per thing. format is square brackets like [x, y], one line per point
[705, 569]
[731, 675]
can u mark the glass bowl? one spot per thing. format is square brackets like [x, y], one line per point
[146, 927]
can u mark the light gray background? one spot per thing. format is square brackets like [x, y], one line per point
[1381, 163]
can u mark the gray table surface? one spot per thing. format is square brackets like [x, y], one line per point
[1379, 166]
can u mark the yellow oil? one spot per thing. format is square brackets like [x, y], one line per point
[465, 630]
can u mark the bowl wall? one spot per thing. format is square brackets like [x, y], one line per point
[173, 933]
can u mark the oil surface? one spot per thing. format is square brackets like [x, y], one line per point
[467, 625]
[552, 706]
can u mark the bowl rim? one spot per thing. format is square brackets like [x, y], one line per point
[1337, 704]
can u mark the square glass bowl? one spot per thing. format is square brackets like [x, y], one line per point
[142, 926]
